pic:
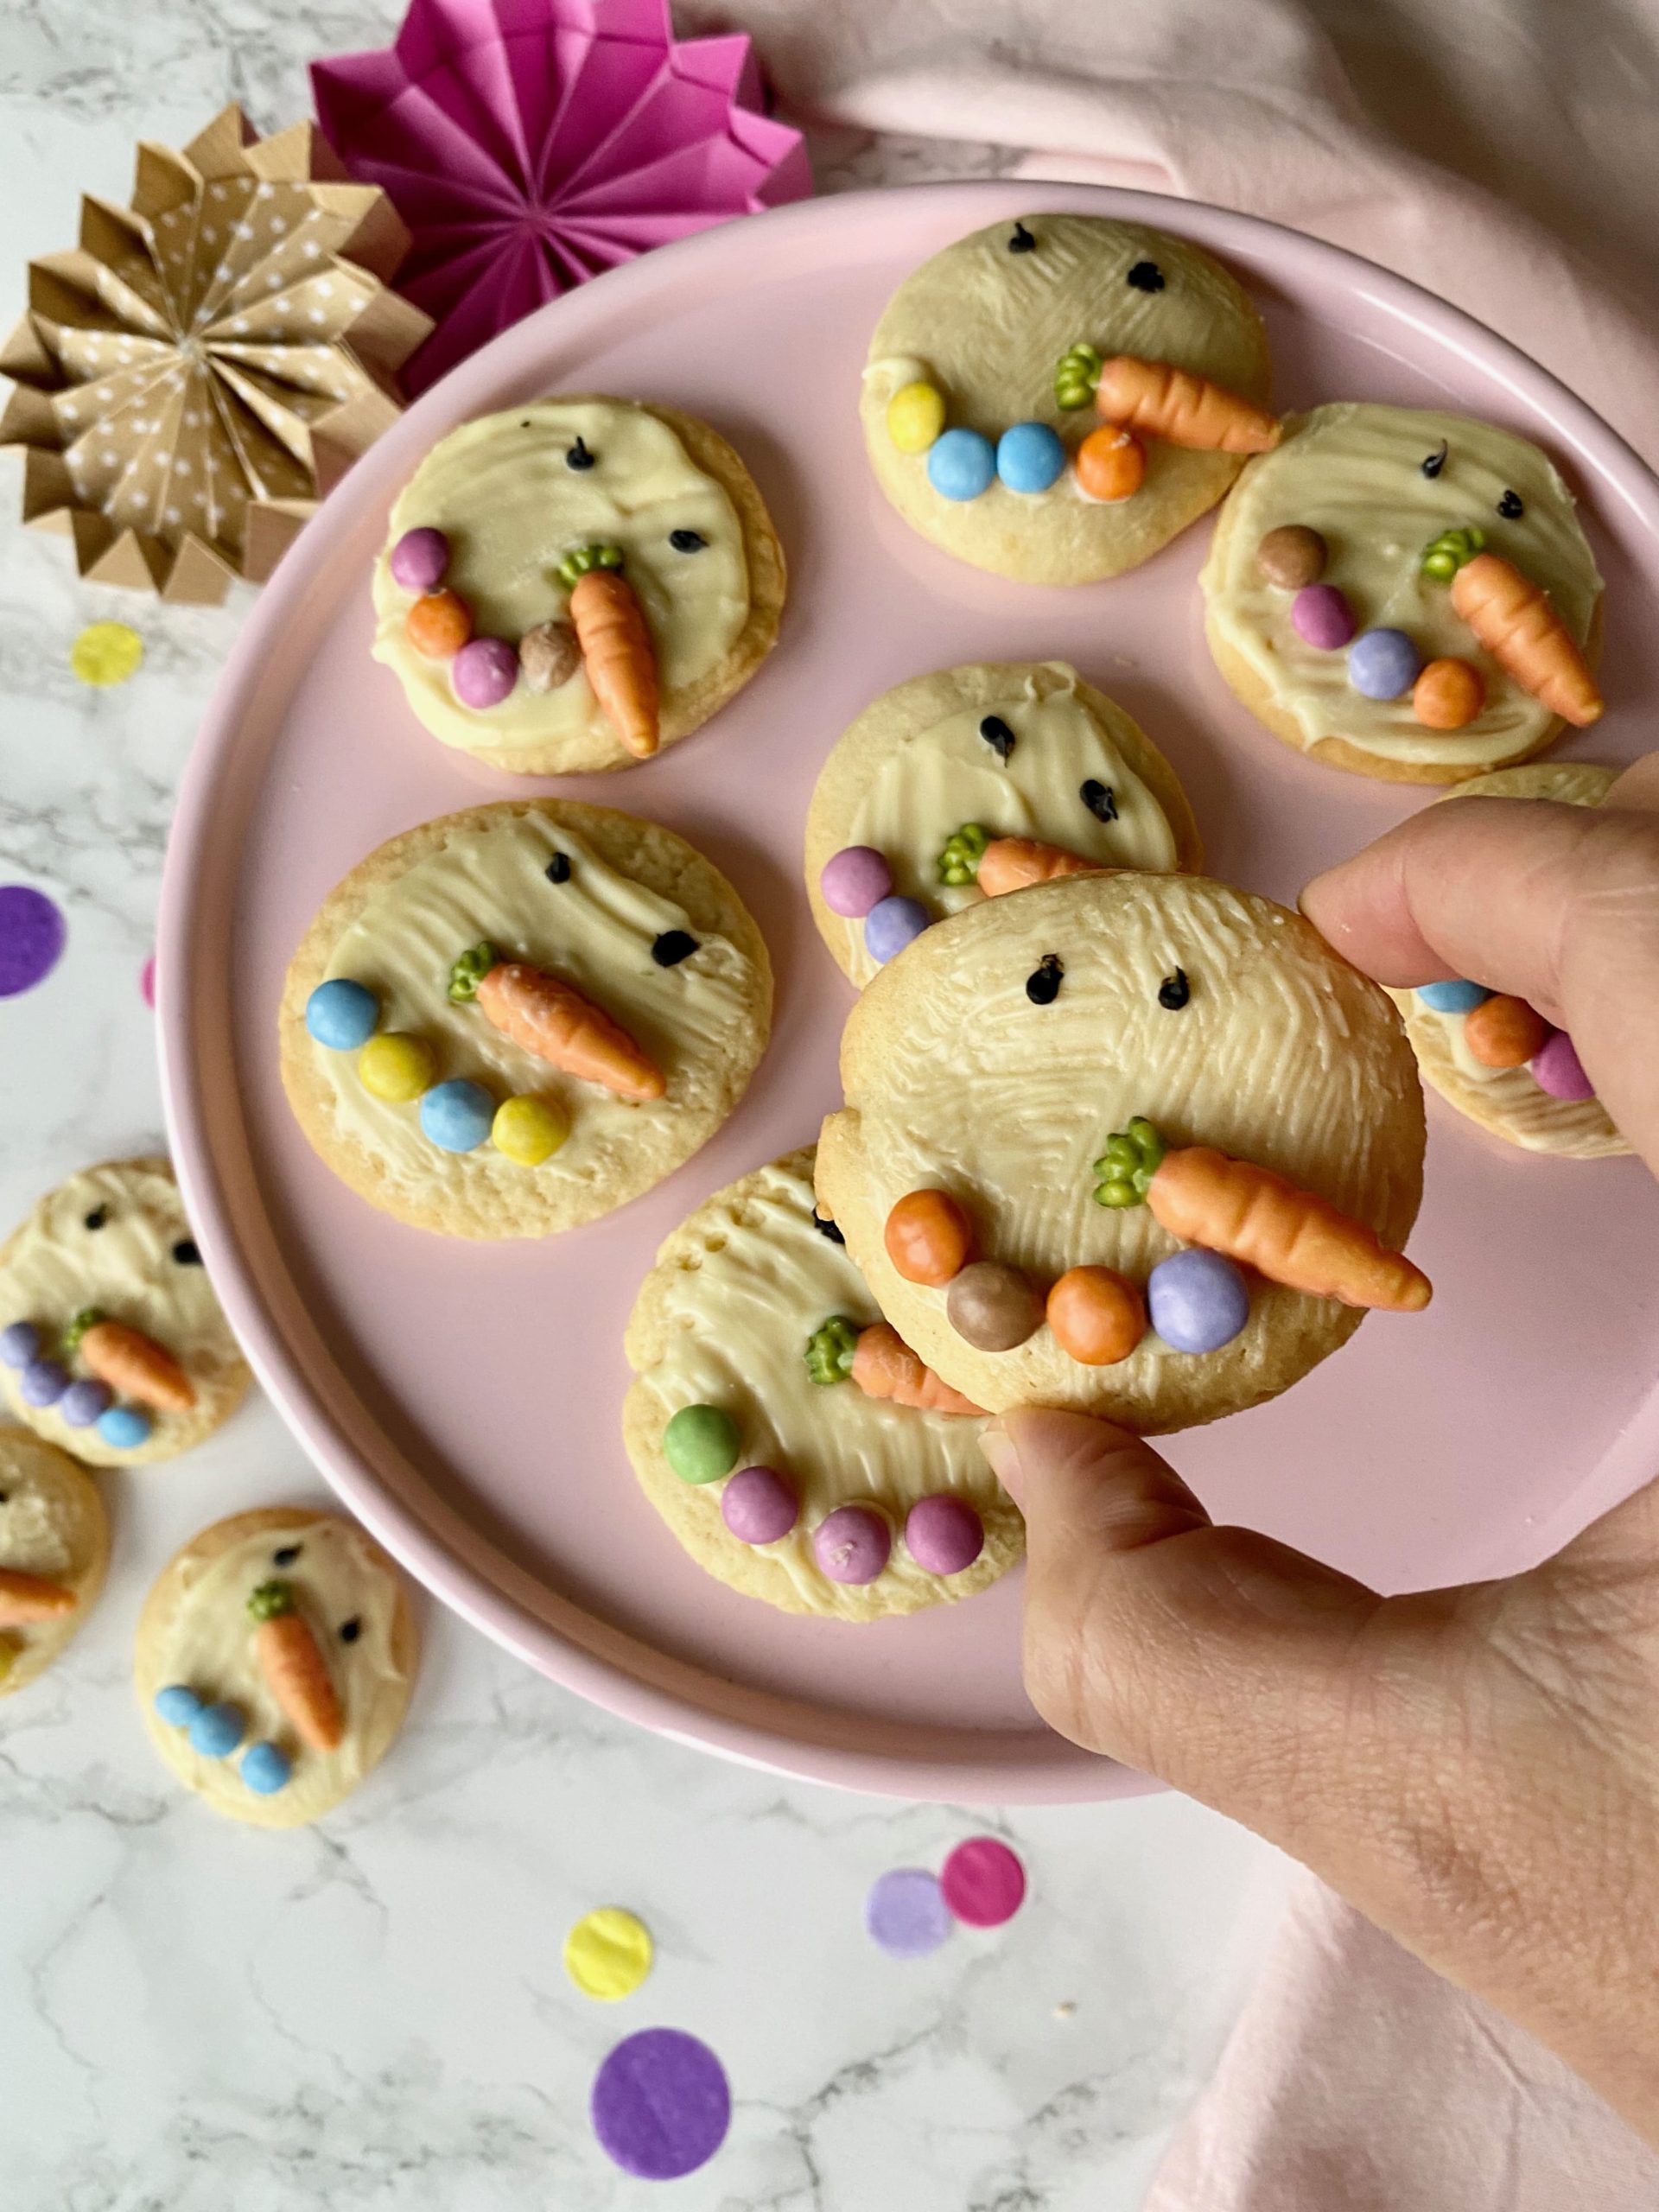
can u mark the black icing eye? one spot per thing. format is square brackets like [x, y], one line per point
[826, 1228]
[96, 1219]
[686, 541]
[184, 1254]
[558, 869]
[580, 455]
[1511, 506]
[1043, 984]
[4, 1495]
[286, 1555]
[1432, 463]
[673, 946]
[1023, 241]
[351, 1630]
[997, 735]
[1175, 991]
[1098, 798]
[1147, 276]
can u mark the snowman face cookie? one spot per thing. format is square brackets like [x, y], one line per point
[476, 601]
[273, 1663]
[936, 768]
[1337, 592]
[972, 424]
[1038, 1088]
[54, 1545]
[112, 1344]
[752, 1426]
[1495, 1058]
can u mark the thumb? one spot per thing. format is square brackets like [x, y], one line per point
[1214, 1658]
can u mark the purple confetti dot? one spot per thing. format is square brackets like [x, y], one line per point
[905, 1913]
[32, 932]
[661, 2105]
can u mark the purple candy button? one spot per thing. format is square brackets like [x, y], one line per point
[84, 1401]
[945, 1534]
[1557, 1069]
[1321, 616]
[661, 2105]
[42, 1383]
[484, 671]
[758, 1506]
[419, 559]
[905, 1913]
[852, 1544]
[891, 925]
[32, 932]
[854, 880]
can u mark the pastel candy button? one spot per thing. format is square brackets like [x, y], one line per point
[266, 1768]
[177, 1705]
[1383, 664]
[528, 1130]
[19, 1344]
[915, 417]
[758, 1506]
[419, 559]
[701, 1443]
[852, 1544]
[395, 1067]
[42, 1383]
[891, 925]
[84, 1402]
[456, 1115]
[854, 880]
[484, 671]
[943, 1534]
[123, 1428]
[341, 1014]
[1557, 1069]
[961, 464]
[1455, 995]
[216, 1730]
[1197, 1300]
[1029, 457]
[1321, 616]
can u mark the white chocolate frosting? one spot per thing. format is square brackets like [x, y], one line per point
[948, 775]
[502, 492]
[1353, 472]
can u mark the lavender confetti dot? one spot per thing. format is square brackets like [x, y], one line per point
[906, 1914]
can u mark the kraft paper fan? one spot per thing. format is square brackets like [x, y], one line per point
[193, 376]
[529, 144]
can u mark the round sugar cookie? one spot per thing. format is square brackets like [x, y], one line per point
[1020, 749]
[1509, 1102]
[111, 1243]
[1220, 1018]
[646, 930]
[510, 496]
[1379, 485]
[723, 1323]
[984, 324]
[54, 1531]
[201, 1648]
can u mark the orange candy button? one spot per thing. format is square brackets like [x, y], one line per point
[439, 624]
[929, 1238]
[1096, 1315]
[1111, 463]
[1448, 695]
[1505, 1032]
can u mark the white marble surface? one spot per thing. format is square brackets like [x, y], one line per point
[373, 2013]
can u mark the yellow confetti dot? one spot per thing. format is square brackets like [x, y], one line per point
[608, 1953]
[106, 653]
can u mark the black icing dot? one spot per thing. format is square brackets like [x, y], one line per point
[1147, 276]
[827, 1228]
[286, 1555]
[1023, 240]
[686, 541]
[185, 1254]
[1043, 984]
[558, 869]
[997, 735]
[1511, 506]
[351, 1630]
[673, 946]
[4, 1495]
[1175, 991]
[1097, 797]
[580, 456]
[96, 1219]
[1432, 463]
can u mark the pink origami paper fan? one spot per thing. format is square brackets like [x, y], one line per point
[529, 144]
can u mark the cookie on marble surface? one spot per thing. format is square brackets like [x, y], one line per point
[112, 1344]
[273, 1662]
[912, 791]
[987, 411]
[1049, 1168]
[751, 1428]
[54, 1546]
[512, 1020]
[473, 588]
[1507, 1068]
[1361, 575]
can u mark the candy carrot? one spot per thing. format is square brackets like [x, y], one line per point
[137, 1366]
[883, 1366]
[617, 652]
[25, 1597]
[551, 1018]
[1010, 863]
[1288, 1234]
[295, 1669]
[1524, 634]
[1180, 408]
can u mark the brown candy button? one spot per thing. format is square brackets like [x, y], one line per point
[993, 1307]
[1293, 557]
[548, 655]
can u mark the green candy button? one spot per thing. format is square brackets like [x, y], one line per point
[701, 1443]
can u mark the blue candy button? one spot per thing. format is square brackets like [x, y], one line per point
[177, 1705]
[1456, 997]
[217, 1730]
[1029, 457]
[342, 1014]
[456, 1115]
[265, 1767]
[961, 464]
[123, 1428]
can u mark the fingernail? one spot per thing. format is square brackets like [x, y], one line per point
[1001, 1451]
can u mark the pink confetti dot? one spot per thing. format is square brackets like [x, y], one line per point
[147, 981]
[983, 1882]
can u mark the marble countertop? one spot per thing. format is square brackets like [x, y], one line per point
[373, 2012]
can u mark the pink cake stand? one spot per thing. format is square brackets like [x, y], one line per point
[463, 1399]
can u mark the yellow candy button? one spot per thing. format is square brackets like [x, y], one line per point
[608, 1953]
[395, 1068]
[528, 1130]
[915, 417]
[106, 653]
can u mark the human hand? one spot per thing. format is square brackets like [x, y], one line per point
[1477, 1770]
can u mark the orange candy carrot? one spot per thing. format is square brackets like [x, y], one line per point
[1184, 409]
[883, 1366]
[551, 1019]
[618, 654]
[1288, 1234]
[1011, 863]
[1110, 464]
[1505, 1032]
[26, 1597]
[138, 1367]
[438, 623]
[1524, 634]
[929, 1237]
[294, 1667]
[1096, 1315]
